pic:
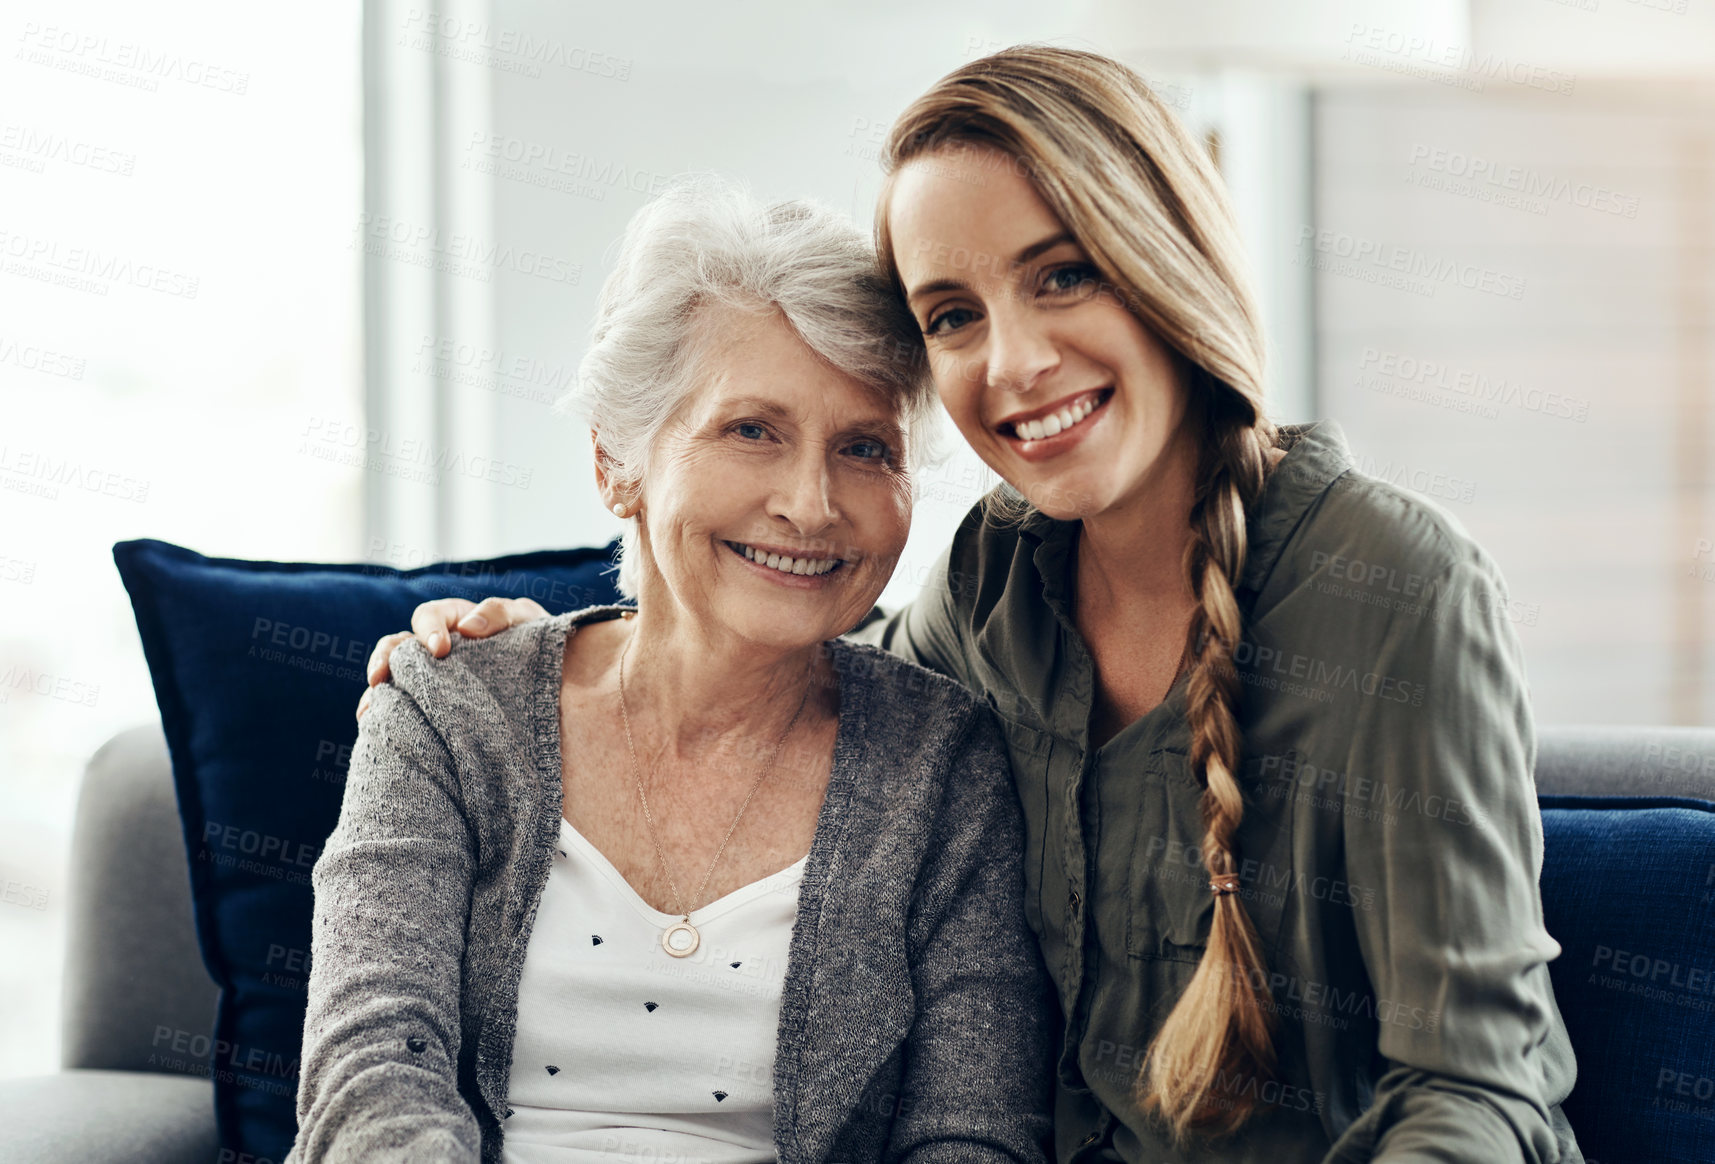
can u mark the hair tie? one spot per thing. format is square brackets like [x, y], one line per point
[1225, 883]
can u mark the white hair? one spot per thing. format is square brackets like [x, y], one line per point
[707, 240]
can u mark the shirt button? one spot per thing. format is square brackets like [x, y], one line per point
[1090, 1139]
[1075, 900]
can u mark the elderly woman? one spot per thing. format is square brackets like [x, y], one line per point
[697, 880]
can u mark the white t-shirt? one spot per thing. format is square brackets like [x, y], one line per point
[624, 1053]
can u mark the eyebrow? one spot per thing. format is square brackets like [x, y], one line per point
[769, 408]
[1029, 253]
[775, 411]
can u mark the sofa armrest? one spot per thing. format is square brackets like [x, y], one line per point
[107, 1117]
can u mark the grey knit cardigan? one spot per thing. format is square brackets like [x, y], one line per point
[916, 1017]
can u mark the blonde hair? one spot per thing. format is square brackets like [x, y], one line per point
[1144, 200]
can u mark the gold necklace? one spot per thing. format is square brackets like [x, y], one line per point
[681, 939]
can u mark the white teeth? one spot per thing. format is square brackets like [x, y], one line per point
[1055, 422]
[800, 566]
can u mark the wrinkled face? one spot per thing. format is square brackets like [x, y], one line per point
[777, 502]
[1056, 385]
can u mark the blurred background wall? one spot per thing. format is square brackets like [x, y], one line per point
[276, 284]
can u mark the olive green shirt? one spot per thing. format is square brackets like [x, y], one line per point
[1390, 848]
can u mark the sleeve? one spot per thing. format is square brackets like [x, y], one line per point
[379, 1076]
[1456, 950]
[978, 1082]
[925, 630]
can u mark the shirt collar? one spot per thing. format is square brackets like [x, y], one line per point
[1316, 455]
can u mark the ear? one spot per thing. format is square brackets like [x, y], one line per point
[605, 483]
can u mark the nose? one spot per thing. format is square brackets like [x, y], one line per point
[804, 496]
[1020, 351]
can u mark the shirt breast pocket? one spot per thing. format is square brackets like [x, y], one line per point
[1172, 906]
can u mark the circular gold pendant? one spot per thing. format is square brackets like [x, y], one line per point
[681, 939]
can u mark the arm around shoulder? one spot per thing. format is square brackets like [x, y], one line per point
[379, 1066]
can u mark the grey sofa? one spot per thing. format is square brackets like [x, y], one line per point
[132, 966]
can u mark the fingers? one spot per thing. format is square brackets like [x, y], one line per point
[432, 621]
[377, 665]
[494, 614]
[526, 610]
[486, 617]
[363, 702]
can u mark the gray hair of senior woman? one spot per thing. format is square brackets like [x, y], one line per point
[707, 241]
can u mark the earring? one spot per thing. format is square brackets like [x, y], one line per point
[618, 509]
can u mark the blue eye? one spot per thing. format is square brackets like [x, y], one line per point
[750, 430]
[1073, 277]
[870, 450]
[958, 315]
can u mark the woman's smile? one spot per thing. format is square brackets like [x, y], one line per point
[1040, 433]
[798, 571]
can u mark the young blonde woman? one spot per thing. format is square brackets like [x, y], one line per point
[1267, 715]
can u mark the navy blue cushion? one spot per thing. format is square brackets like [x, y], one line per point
[1628, 890]
[257, 668]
